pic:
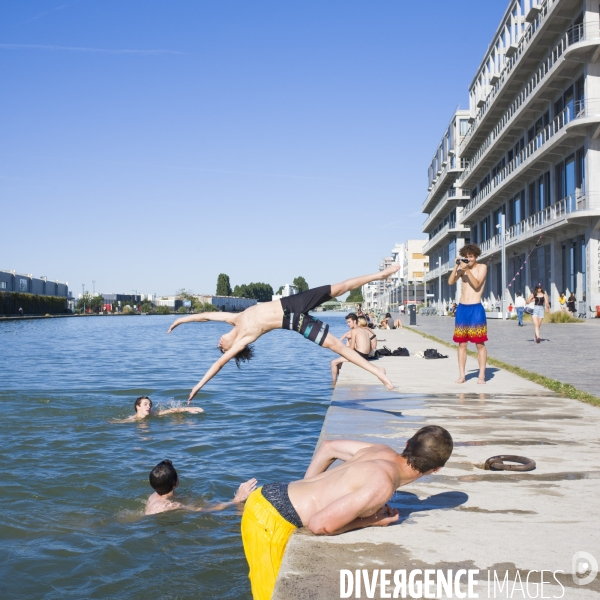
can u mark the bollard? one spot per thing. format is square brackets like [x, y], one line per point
[412, 308]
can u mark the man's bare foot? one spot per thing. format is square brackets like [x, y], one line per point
[385, 379]
[460, 380]
[481, 381]
[390, 271]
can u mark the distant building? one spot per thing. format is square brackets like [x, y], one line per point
[288, 290]
[228, 303]
[415, 268]
[120, 300]
[11, 281]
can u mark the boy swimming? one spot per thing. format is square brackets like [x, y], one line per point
[143, 409]
[164, 480]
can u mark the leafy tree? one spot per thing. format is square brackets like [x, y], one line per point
[223, 285]
[355, 296]
[84, 301]
[263, 292]
[300, 283]
[279, 290]
[147, 307]
[163, 310]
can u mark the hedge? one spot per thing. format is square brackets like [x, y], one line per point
[32, 304]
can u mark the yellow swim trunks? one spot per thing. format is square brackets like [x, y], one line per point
[265, 534]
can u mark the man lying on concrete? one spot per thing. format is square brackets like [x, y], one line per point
[350, 496]
[286, 313]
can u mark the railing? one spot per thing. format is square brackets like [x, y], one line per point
[572, 36]
[531, 224]
[451, 193]
[509, 65]
[570, 113]
[436, 272]
[449, 166]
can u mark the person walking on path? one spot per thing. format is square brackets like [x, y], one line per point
[520, 306]
[290, 312]
[562, 301]
[470, 324]
[540, 300]
[571, 304]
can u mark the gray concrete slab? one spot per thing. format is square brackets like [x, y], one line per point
[464, 517]
[568, 352]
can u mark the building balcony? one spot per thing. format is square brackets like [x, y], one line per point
[442, 270]
[448, 202]
[576, 44]
[568, 211]
[539, 35]
[441, 236]
[453, 168]
[572, 121]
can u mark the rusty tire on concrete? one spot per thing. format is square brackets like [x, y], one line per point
[496, 463]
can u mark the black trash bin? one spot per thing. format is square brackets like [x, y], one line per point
[412, 309]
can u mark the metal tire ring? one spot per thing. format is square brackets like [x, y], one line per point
[496, 463]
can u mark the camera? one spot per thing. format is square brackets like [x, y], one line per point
[462, 260]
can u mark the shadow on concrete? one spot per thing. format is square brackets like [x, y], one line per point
[358, 405]
[407, 503]
[489, 373]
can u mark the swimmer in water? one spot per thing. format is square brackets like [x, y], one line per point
[286, 313]
[164, 480]
[143, 409]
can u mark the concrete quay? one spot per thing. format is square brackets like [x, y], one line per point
[464, 517]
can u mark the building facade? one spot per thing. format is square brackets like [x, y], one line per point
[444, 205]
[531, 153]
[414, 273]
[11, 281]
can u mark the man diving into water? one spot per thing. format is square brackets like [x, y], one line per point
[286, 313]
[328, 501]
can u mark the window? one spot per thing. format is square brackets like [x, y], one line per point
[570, 182]
[2, 285]
[417, 256]
[463, 126]
[580, 172]
[559, 181]
[23, 285]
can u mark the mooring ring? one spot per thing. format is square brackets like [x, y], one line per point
[496, 463]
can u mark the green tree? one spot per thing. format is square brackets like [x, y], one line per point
[278, 292]
[263, 292]
[97, 304]
[84, 302]
[147, 307]
[300, 283]
[355, 296]
[223, 285]
[163, 310]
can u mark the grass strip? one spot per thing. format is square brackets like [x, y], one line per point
[564, 389]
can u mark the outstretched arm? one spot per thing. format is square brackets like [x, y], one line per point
[329, 451]
[181, 409]
[218, 365]
[203, 317]
[241, 495]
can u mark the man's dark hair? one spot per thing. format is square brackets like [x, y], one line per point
[244, 355]
[163, 478]
[138, 401]
[519, 294]
[473, 249]
[428, 449]
[388, 316]
[352, 316]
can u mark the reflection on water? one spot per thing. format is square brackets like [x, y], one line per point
[74, 483]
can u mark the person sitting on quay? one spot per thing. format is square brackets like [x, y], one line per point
[353, 495]
[164, 480]
[358, 340]
[362, 322]
[290, 312]
[143, 409]
[470, 320]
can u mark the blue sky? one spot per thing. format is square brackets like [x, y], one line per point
[153, 145]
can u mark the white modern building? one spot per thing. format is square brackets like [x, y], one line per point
[289, 289]
[532, 152]
[414, 273]
[443, 205]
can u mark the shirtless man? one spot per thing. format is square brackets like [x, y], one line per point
[143, 409]
[164, 480]
[287, 313]
[470, 322]
[350, 496]
[358, 339]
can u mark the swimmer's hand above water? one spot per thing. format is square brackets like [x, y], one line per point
[245, 490]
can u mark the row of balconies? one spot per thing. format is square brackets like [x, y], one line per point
[448, 202]
[446, 178]
[446, 231]
[549, 217]
[444, 268]
[514, 57]
[574, 39]
[579, 113]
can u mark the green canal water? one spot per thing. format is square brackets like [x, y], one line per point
[74, 483]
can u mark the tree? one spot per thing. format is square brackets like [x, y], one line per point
[355, 296]
[262, 292]
[163, 310]
[279, 290]
[97, 304]
[300, 283]
[84, 301]
[223, 285]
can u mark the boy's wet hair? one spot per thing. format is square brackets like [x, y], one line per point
[473, 249]
[428, 449]
[244, 355]
[352, 317]
[138, 401]
[163, 478]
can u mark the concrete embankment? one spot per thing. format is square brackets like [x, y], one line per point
[463, 517]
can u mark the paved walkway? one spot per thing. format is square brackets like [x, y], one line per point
[569, 352]
[464, 517]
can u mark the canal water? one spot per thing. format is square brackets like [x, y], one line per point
[74, 482]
